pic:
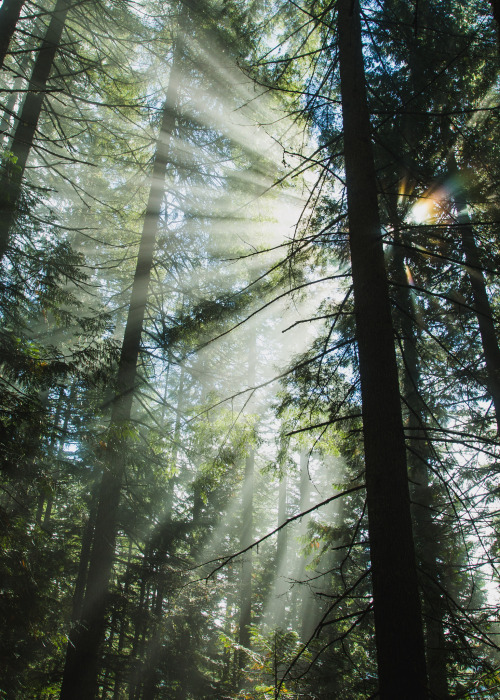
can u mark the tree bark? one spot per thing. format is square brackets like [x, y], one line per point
[11, 179]
[306, 619]
[247, 521]
[246, 541]
[427, 531]
[396, 603]
[477, 282]
[80, 679]
[160, 545]
[9, 16]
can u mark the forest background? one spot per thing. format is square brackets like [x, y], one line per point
[250, 372]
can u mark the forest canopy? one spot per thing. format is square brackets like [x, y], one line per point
[250, 361]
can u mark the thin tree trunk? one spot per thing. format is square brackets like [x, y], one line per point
[60, 448]
[81, 580]
[247, 524]
[11, 179]
[427, 534]
[246, 541]
[80, 681]
[42, 497]
[9, 16]
[479, 294]
[162, 544]
[281, 545]
[299, 594]
[278, 609]
[306, 618]
[396, 603]
[140, 630]
[122, 627]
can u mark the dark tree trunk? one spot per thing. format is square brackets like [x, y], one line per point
[427, 531]
[80, 679]
[123, 617]
[81, 581]
[9, 16]
[22, 142]
[396, 603]
[477, 282]
[140, 624]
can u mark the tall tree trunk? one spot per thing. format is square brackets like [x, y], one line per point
[477, 282]
[247, 520]
[140, 625]
[9, 16]
[11, 179]
[278, 608]
[427, 530]
[121, 612]
[161, 543]
[281, 545]
[305, 617]
[80, 583]
[246, 541]
[60, 448]
[80, 679]
[396, 603]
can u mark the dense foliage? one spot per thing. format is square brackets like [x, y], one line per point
[185, 402]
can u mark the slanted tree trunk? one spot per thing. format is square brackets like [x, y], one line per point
[9, 16]
[477, 282]
[22, 142]
[80, 676]
[396, 603]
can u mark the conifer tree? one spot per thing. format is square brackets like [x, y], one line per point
[398, 622]
[82, 665]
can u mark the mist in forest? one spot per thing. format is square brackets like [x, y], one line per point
[249, 367]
